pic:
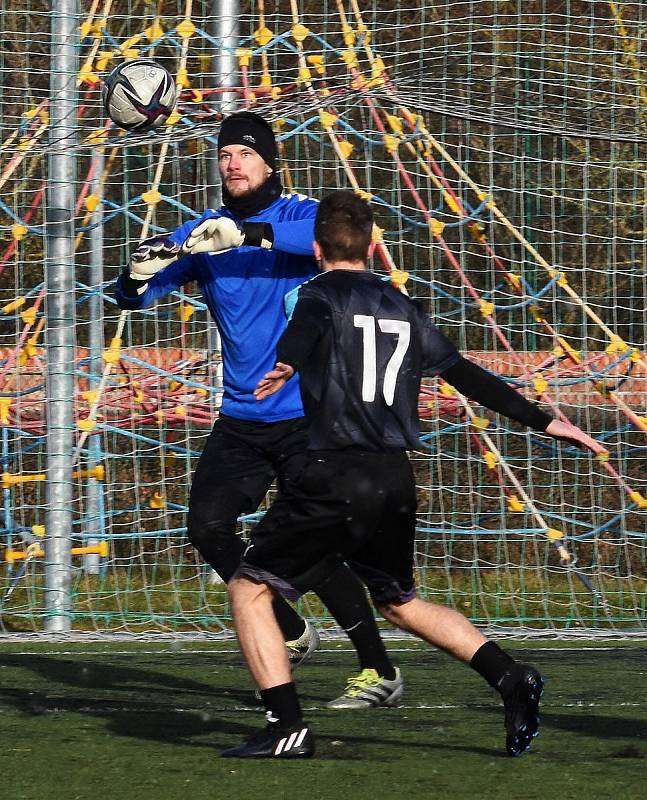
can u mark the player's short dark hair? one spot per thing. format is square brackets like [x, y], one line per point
[344, 226]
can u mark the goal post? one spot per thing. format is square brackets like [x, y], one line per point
[60, 313]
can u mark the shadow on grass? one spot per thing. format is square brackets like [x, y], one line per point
[153, 705]
[595, 725]
[213, 731]
[93, 675]
[134, 701]
[132, 718]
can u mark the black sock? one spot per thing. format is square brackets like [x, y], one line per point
[283, 705]
[290, 623]
[491, 663]
[345, 597]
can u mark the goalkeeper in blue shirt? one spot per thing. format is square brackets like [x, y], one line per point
[245, 257]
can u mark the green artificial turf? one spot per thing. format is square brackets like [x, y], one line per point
[132, 721]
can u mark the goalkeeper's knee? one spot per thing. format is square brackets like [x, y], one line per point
[219, 546]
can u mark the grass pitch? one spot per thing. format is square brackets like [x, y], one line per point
[120, 721]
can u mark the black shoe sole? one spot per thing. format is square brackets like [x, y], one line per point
[290, 755]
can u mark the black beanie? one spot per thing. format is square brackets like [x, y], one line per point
[245, 127]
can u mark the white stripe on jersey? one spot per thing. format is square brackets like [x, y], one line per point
[299, 196]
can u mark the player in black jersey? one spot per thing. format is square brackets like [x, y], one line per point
[361, 348]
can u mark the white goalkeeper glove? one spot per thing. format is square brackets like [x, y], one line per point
[222, 234]
[151, 256]
[214, 236]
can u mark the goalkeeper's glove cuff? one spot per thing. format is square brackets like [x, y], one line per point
[257, 234]
[131, 285]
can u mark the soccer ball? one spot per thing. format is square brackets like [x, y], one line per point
[139, 95]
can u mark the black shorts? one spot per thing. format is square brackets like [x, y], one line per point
[238, 464]
[241, 459]
[348, 506]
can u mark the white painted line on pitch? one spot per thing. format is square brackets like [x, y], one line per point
[328, 651]
[424, 706]
[433, 649]
[172, 651]
[210, 711]
[579, 649]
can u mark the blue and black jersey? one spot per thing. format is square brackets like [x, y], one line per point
[362, 348]
[368, 348]
[244, 290]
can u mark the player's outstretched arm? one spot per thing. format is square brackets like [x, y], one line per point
[568, 432]
[491, 391]
[273, 381]
[294, 235]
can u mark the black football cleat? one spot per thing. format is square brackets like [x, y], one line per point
[521, 688]
[275, 742]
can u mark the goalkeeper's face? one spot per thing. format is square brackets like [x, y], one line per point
[242, 169]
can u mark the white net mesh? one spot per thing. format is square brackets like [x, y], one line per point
[502, 147]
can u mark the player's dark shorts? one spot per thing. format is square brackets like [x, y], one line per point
[349, 505]
[238, 464]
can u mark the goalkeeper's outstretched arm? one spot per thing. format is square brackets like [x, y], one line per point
[217, 234]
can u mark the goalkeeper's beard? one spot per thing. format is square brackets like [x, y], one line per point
[251, 203]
